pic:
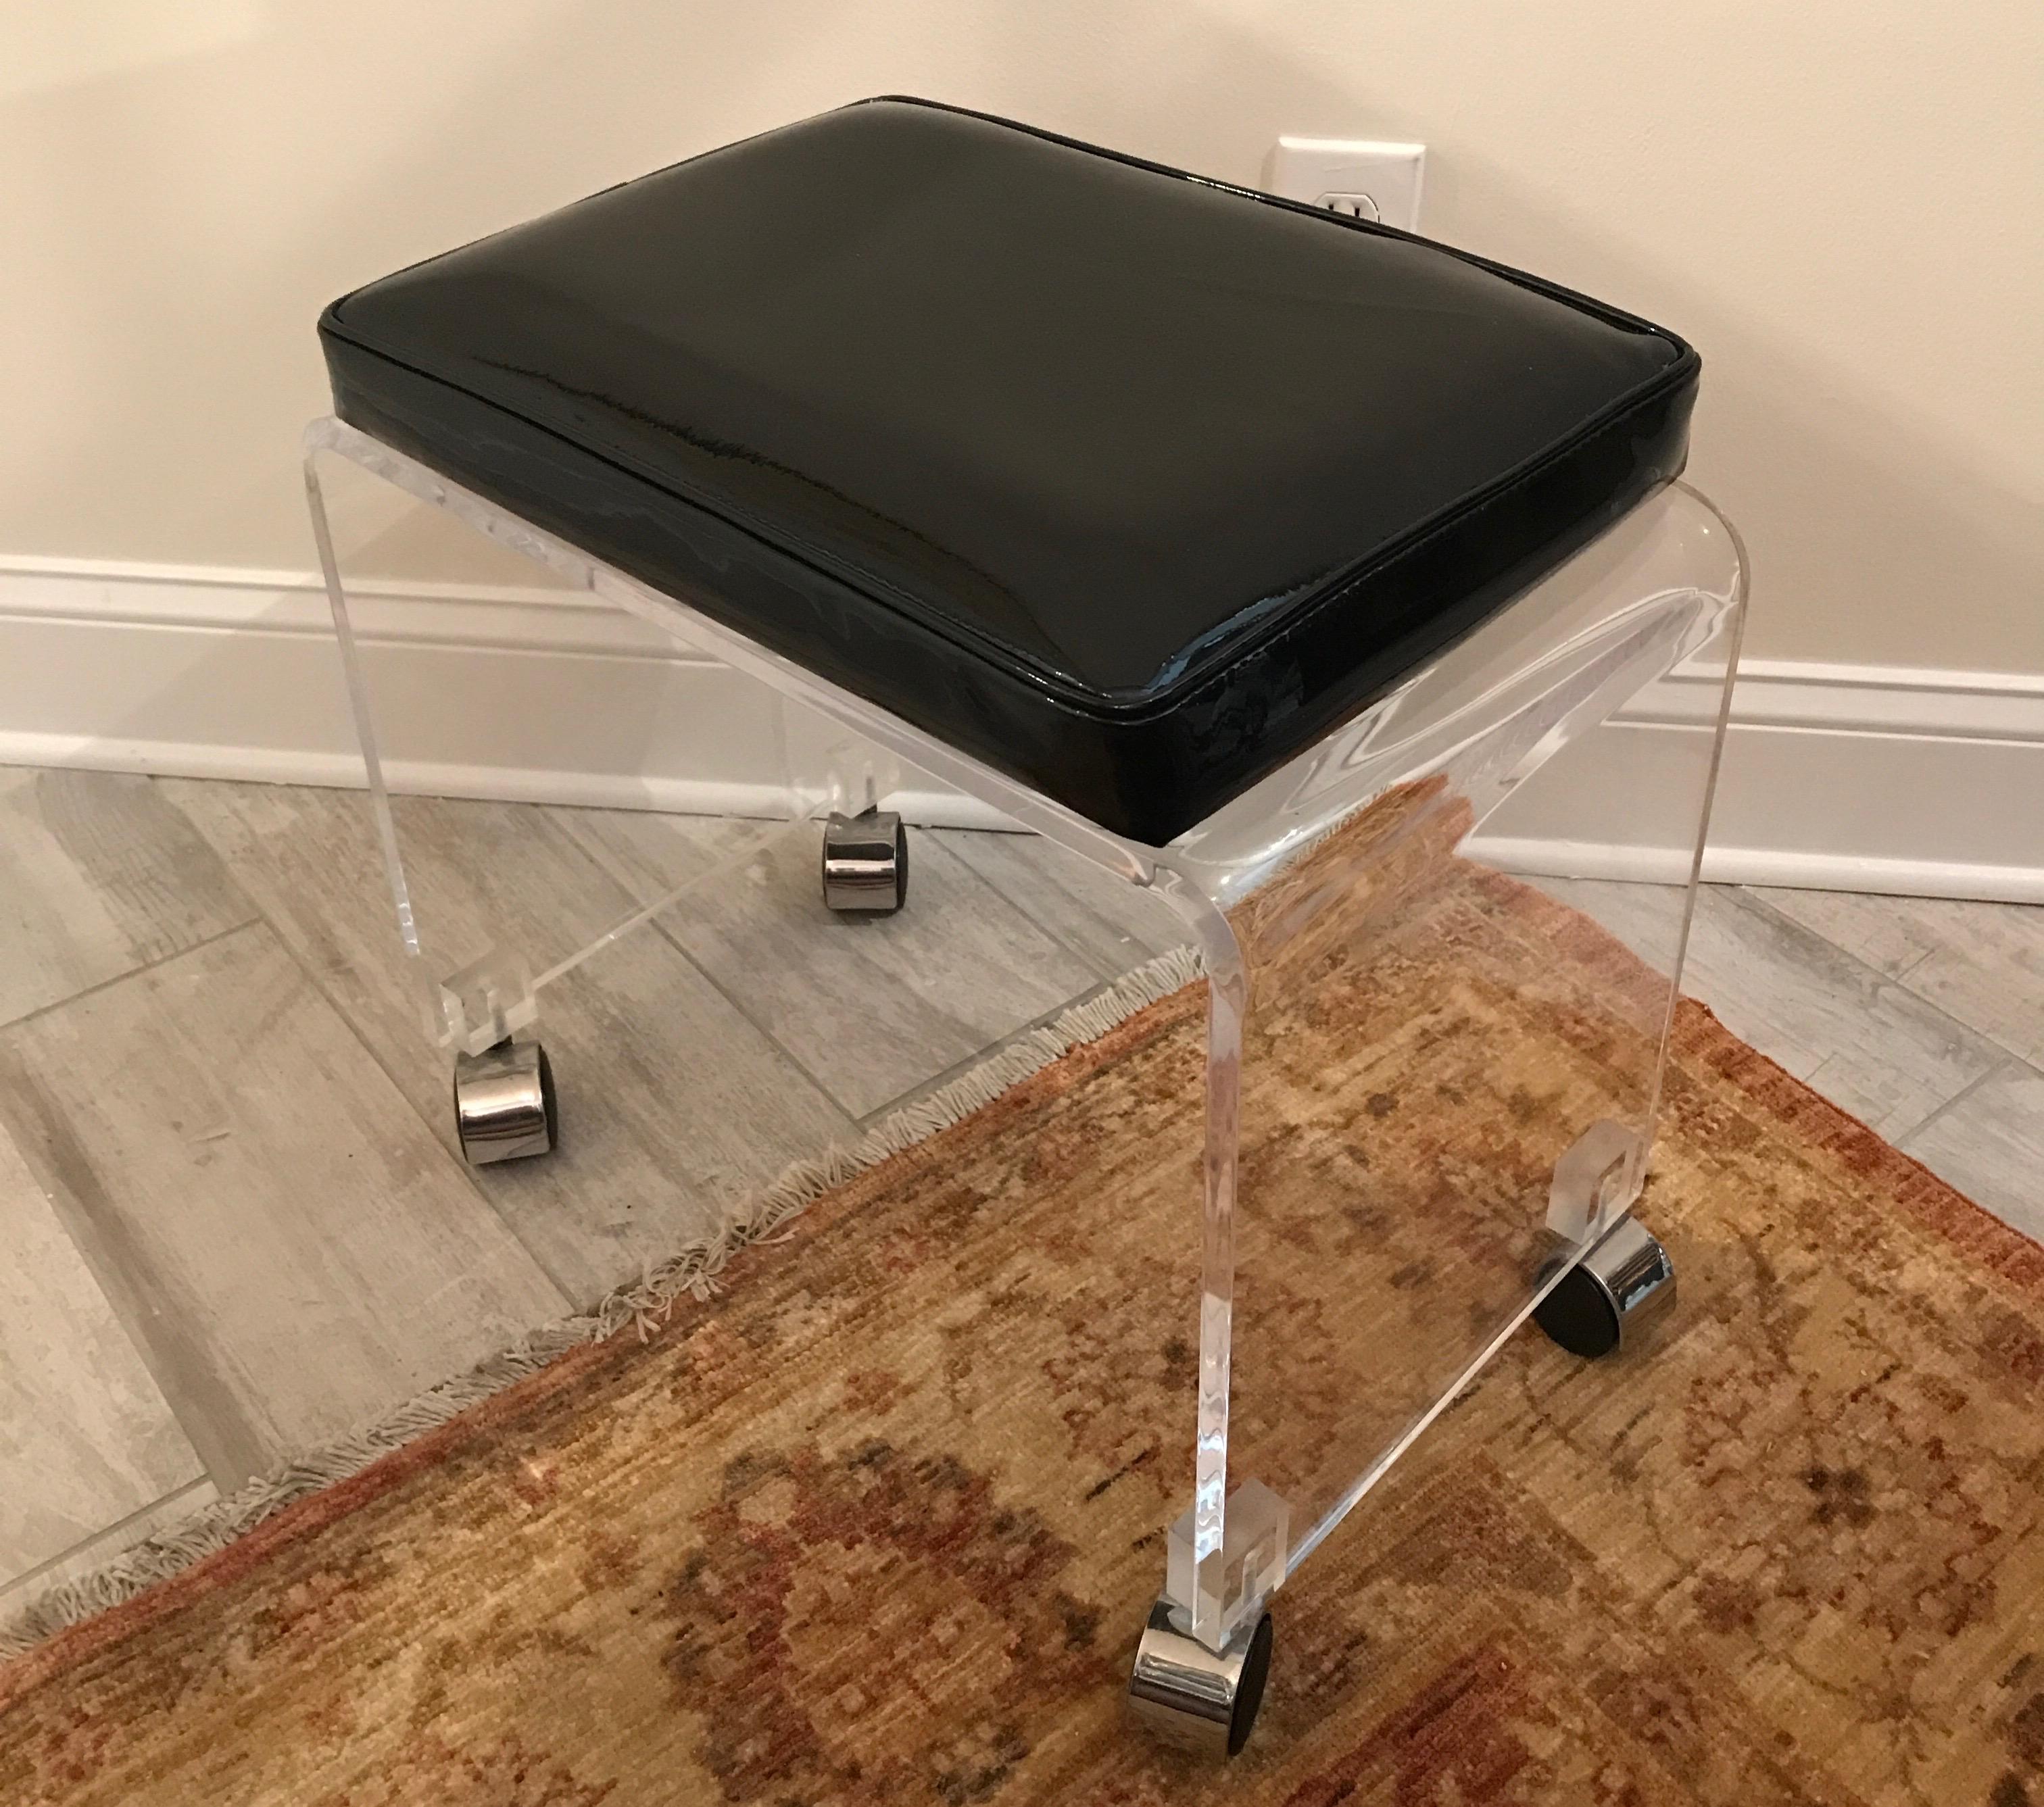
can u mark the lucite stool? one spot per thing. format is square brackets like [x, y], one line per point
[1312, 867]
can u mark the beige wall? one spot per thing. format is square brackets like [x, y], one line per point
[1840, 203]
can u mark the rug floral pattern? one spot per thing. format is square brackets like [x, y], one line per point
[879, 1525]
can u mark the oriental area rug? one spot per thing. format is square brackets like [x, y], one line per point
[880, 1522]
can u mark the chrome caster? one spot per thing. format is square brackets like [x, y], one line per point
[866, 863]
[1206, 1701]
[1611, 1294]
[504, 1103]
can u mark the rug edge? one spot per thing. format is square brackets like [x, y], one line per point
[2009, 1253]
[34, 1629]
[33, 1639]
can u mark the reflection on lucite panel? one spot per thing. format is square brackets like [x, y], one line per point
[1397, 1206]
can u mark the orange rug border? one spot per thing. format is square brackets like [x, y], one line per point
[1994, 1248]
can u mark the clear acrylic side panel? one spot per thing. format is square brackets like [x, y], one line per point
[586, 827]
[1433, 1078]
[1429, 1082]
[430, 610]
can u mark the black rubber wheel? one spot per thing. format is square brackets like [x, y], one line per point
[550, 1101]
[901, 869]
[1248, 1695]
[1578, 1314]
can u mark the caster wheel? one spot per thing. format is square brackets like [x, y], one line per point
[504, 1103]
[1612, 1295]
[1205, 1700]
[866, 864]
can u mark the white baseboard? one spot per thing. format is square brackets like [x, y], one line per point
[534, 695]
[1907, 779]
[1883, 778]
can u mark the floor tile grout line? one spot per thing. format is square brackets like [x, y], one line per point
[434, 1133]
[1080, 959]
[562, 822]
[746, 1016]
[28, 1578]
[937, 1082]
[1752, 894]
[1104, 976]
[1986, 1034]
[1102, 980]
[1903, 1138]
[313, 978]
[942, 839]
[1097, 968]
[854, 1118]
[98, 1238]
[851, 1120]
[1745, 899]
[660, 925]
[157, 965]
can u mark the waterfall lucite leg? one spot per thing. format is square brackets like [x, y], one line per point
[504, 1104]
[1204, 1655]
[1432, 1079]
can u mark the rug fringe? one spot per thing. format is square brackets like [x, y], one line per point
[693, 1270]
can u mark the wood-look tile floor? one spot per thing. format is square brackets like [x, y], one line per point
[234, 1221]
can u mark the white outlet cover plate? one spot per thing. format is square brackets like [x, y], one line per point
[1340, 172]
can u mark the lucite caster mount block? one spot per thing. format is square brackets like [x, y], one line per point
[866, 864]
[1613, 1295]
[1203, 1699]
[504, 1108]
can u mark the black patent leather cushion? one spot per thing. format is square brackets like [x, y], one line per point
[1131, 484]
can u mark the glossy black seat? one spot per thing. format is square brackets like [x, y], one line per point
[1128, 483]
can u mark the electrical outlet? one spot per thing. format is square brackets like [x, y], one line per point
[1371, 179]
